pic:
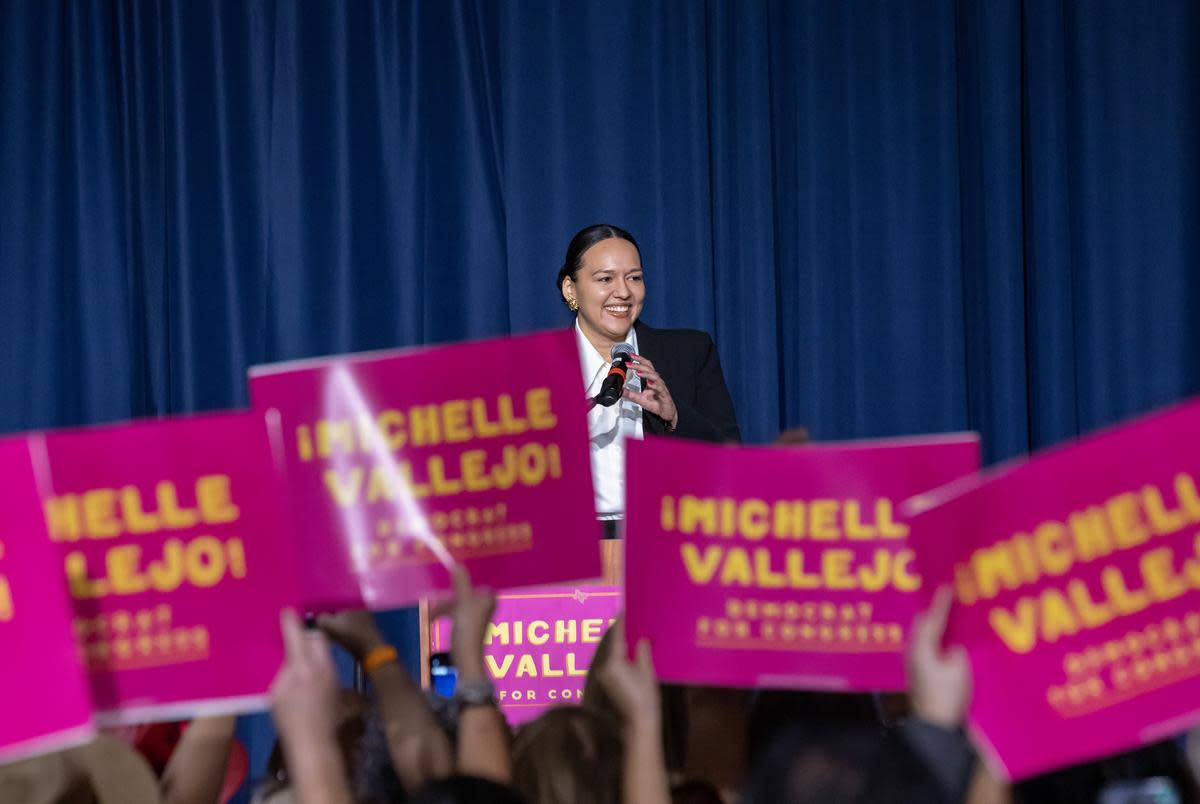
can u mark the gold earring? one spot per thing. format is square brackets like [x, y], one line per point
[573, 304]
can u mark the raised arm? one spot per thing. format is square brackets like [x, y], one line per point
[483, 738]
[304, 707]
[417, 744]
[940, 691]
[633, 688]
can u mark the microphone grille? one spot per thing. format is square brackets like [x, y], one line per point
[621, 349]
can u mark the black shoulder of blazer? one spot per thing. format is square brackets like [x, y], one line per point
[688, 362]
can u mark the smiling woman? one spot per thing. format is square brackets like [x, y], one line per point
[606, 288]
[676, 386]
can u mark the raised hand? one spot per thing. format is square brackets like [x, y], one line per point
[632, 685]
[655, 396]
[939, 680]
[471, 610]
[304, 699]
[353, 630]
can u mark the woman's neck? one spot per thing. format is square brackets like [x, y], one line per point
[601, 343]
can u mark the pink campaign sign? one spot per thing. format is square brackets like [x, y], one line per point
[778, 567]
[1077, 586]
[44, 698]
[177, 562]
[398, 463]
[540, 645]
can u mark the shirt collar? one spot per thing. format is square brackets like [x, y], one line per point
[590, 360]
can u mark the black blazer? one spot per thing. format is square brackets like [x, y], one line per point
[688, 363]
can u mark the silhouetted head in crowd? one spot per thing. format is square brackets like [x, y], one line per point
[695, 793]
[569, 755]
[776, 711]
[810, 747]
[466, 790]
[1121, 779]
[794, 769]
[375, 780]
[848, 763]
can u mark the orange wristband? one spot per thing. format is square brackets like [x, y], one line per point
[378, 657]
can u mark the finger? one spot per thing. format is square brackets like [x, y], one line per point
[644, 398]
[327, 623]
[619, 652]
[316, 648]
[441, 608]
[655, 400]
[293, 635]
[655, 387]
[932, 624]
[643, 365]
[487, 604]
[645, 661]
[462, 582]
[943, 598]
[642, 360]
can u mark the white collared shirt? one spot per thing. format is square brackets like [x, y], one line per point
[608, 427]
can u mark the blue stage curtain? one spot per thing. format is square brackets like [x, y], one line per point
[893, 217]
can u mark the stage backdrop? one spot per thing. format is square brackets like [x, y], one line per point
[893, 217]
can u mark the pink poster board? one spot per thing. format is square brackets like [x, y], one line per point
[540, 645]
[1077, 592]
[177, 561]
[398, 463]
[779, 567]
[44, 698]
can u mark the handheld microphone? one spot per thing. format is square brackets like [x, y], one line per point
[614, 383]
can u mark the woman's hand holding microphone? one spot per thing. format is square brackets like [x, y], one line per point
[654, 396]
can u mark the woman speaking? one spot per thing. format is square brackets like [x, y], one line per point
[676, 386]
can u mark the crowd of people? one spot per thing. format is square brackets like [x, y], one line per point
[631, 740]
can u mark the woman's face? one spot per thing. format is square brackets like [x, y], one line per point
[609, 289]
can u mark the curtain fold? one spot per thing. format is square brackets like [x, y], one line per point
[894, 217]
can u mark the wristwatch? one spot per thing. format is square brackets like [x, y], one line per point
[475, 692]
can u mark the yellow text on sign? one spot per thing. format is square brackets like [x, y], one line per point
[106, 513]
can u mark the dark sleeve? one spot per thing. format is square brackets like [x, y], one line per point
[710, 417]
[946, 755]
